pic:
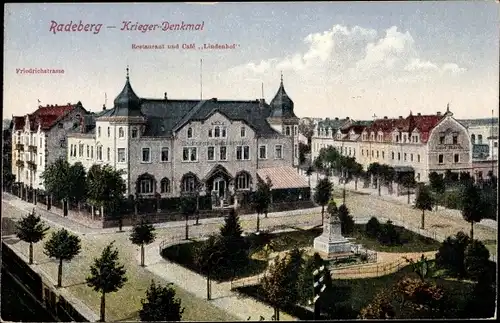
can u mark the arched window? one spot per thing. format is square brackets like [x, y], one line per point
[121, 133]
[189, 183]
[134, 132]
[145, 184]
[190, 132]
[165, 185]
[223, 135]
[109, 131]
[243, 181]
[217, 132]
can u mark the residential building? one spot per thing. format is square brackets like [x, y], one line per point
[7, 148]
[424, 143]
[170, 147]
[484, 137]
[39, 139]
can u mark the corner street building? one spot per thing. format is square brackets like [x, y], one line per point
[170, 147]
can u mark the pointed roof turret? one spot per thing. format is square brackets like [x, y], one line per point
[281, 104]
[127, 103]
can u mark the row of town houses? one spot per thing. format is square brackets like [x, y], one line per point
[166, 146]
[418, 143]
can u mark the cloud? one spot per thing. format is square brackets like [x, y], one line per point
[353, 53]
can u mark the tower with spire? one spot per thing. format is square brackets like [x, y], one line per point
[283, 119]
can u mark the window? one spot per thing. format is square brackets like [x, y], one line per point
[189, 154]
[121, 133]
[99, 152]
[165, 185]
[217, 132]
[62, 142]
[190, 132]
[121, 155]
[109, 154]
[377, 153]
[456, 158]
[495, 144]
[209, 133]
[88, 151]
[146, 186]
[243, 181]
[399, 156]
[405, 156]
[287, 130]
[242, 153]
[372, 153]
[354, 152]
[92, 152]
[222, 153]
[164, 154]
[383, 157]
[411, 157]
[362, 152]
[80, 150]
[243, 132]
[223, 129]
[146, 155]
[98, 131]
[455, 139]
[480, 139]
[41, 142]
[441, 140]
[109, 132]
[40, 160]
[473, 138]
[294, 130]
[418, 176]
[188, 183]
[262, 152]
[60, 125]
[296, 150]
[278, 152]
[440, 158]
[418, 158]
[134, 132]
[211, 153]
[349, 151]
[397, 138]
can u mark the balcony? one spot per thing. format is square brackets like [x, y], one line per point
[20, 147]
[32, 148]
[20, 163]
[31, 165]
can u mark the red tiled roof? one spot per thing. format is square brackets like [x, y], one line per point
[18, 122]
[46, 116]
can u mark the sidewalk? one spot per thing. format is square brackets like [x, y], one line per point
[222, 296]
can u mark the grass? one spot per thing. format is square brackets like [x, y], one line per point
[124, 304]
[358, 293]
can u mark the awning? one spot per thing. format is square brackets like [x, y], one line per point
[283, 177]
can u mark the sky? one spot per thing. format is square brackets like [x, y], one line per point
[356, 59]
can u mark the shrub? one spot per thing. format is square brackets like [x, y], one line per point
[476, 258]
[346, 220]
[450, 255]
[452, 199]
[388, 235]
[372, 227]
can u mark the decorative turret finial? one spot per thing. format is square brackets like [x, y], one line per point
[448, 107]
[281, 76]
[127, 73]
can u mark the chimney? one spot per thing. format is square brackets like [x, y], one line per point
[419, 114]
[336, 119]
[400, 117]
[214, 99]
[165, 96]
[56, 105]
[385, 117]
[261, 103]
[103, 107]
[438, 113]
[347, 118]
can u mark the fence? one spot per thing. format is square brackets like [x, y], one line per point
[361, 271]
[248, 281]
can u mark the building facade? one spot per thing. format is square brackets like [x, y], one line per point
[170, 147]
[424, 143]
[39, 139]
[483, 134]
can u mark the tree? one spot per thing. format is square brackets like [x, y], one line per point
[423, 202]
[106, 187]
[332, 208]
[78, 183]
[57, 181]
[309, 172]
[372, 227]
[235, 255]
[305, 281]
[262, 199]
[388, 235]
[62, 246]
[451, 254]
[208, 256]
[143, 233]
[303, 150]
[279, 289]
[380, 308]
[161, 304]
[438, 185]
[31, 229]
[421, 267]
[346, 220]
[407, 180]
[473, 208]
[187, 207]
[357, 172]
[375, 170]
[476, 260]
[323, 194]
[318, 166]
[107, 275]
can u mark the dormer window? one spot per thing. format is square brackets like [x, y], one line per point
[287, 131]
[134, 132]
[243, 132]
[121, 133]
[441, 139]
[190, 132]
[455, 139]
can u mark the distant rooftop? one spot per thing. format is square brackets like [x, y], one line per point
[478, 122]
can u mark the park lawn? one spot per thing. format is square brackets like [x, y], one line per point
[124, 304]
[358, 293]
